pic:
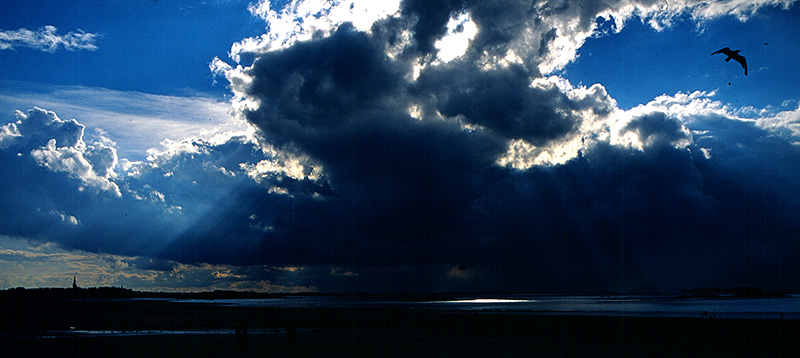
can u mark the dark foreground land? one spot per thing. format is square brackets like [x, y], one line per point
[147, 328]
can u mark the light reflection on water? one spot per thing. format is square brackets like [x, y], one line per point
[486, 300]
[646, 306]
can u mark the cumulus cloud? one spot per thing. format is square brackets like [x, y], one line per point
[542, 35]
[300, 20]
[80, 194]
[786, 123]
[46, 39]
[656, 128]
[136, 121]
[58, 145]
[480, 161]
[73, 161]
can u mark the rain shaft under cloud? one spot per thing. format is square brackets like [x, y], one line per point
[487, 172]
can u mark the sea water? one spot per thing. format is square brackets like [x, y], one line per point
[787, 307]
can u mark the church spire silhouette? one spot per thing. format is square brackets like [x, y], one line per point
[74, 283]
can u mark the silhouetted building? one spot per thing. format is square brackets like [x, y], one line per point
[74, 283]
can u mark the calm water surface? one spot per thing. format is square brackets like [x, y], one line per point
[645, 306]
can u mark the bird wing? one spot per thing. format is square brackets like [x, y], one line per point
[743, 62]
[722, 50]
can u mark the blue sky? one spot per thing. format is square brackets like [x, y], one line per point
[639, 63]
[399, 145]
[161, 47]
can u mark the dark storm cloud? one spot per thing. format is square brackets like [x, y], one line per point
[391, 176]
[409, 197]
[502, 100]
[658, 128]
[613, 219]
[500, 22]
[595, 223]
[314, 86]
[431, 20]
[629, 220]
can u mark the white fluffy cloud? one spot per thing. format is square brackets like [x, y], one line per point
[136, 121]
[693, 107]
[300, 20]
[73, 161]
[784, 123]
[58, 145]
[46, 39]
[542, 34]
[77, 192]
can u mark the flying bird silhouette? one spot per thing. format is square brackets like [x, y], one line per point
[733, 55]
